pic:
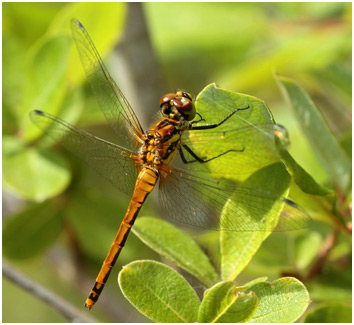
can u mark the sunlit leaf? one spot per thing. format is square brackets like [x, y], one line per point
[321, 138]
[33, 173]
[248, 135]
[159, 292]
[307, 247]
[305, 49]
[69, 111]
[45, 73]
[176, 246]
[237, 248]
[104, 18]
[282, 301]
[303, 179]
[318, 207]
[224, 304]
[13, 54]
[255, 281]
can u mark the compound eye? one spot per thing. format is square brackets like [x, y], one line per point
[186, 105]
[167, 98]
[179, 93]
[184, 94]
[187, 95]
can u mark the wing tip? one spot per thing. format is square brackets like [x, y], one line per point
[303, 220]
[80, 25]
[38, 112]
[74, 22]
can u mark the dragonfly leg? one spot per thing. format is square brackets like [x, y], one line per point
[202, 160]
[200, 119]
[213, 126]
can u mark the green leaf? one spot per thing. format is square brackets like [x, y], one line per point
[99, 18]
[238, 248]
[249, 133]
[330, 313]
[336, 77]
[304, 180]
[159, 292]
[33, 173]
[307, 247]
[13, 55]
[216, 99]
[318, 206]
[31, 231]
[319, 135]
[173, 244]
[72, 106]
[255, 281]
[69, 111]
[312, 50]
[346, 144]
[282, 301]
[224, 304]
[45, 86]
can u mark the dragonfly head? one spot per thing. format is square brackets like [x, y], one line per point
[176, 105]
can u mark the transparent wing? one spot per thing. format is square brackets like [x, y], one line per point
[238, 150]
[113, 162]
[210, 204]
[114, 105]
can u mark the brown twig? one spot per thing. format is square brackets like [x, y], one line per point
[323, 254]
[51, 299]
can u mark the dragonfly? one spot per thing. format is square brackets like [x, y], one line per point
[174, 155]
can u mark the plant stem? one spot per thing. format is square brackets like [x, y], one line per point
[51, 299]
[323, 254]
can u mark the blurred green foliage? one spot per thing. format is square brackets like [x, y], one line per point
[59, 222]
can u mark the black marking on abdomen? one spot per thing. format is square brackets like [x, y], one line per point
[98, 290]
[93, 297]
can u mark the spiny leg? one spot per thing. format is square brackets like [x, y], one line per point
[202, 160]
[213, 126]
[200, 119]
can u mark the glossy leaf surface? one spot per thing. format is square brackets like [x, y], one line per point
[33, 173]
[176, 246]
[159, 292]
[224, 304]
[282, 301]
[237, 248]
[321, 138]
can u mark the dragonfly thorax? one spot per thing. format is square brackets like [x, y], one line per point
[161, 142]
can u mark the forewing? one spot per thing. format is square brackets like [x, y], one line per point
[248, 148]
[114, 105]
[113, 162]
[207, 203]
